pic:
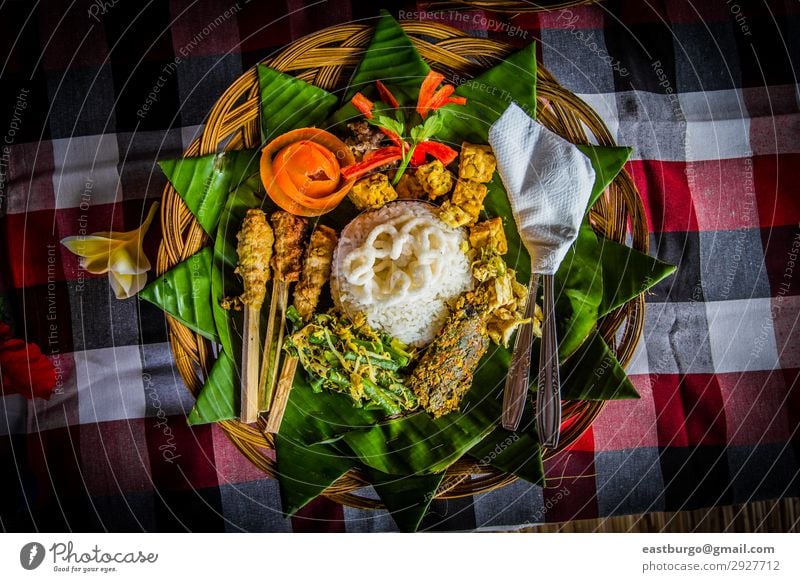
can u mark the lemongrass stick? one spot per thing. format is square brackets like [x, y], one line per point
[249, 409]
[254, 250]
[274, 356]
[264, 379]
[282, 394]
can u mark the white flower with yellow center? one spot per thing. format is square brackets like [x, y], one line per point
[119, 254]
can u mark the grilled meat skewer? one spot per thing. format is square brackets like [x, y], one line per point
[290, 234]
[254, 250]
[316, 272]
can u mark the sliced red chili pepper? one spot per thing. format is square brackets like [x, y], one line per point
[427, 90]
[372, 160]
[438, 150]
[381, 153]
[456, 101]
[363, 104]
[386, 95]
[418, 157]
[441, 96]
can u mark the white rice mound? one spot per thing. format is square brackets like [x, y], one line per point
[402, 268]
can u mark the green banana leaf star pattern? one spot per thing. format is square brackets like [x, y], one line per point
[323, 436]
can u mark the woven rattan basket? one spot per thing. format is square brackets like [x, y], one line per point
[326, 59]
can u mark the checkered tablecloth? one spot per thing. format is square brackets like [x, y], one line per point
[705, 92]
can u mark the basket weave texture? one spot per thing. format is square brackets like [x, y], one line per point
[326, 59]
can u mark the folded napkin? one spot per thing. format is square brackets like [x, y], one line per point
[549, 182]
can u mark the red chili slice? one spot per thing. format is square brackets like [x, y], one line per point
[456, 101]
[386, 95]
[363, 104]
[372, 160]
[441, 96]
[438, 150]
[427, 90]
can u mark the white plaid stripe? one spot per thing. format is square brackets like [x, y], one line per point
[741, 335]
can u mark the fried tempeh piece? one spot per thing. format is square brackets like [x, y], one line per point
[444, 374]
[465, 205]
[410, 187]
[316, 270]
[435, 179]
[489, 236]
[477, 162]
[373, 191]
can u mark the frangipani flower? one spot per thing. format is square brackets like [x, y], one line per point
[119, 254]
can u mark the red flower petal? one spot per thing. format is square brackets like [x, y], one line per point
[23, 368]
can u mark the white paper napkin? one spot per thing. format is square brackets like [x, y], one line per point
[549, 182]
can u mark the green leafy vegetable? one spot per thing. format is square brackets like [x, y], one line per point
[433, 125]
[348, 356]
[393, 125]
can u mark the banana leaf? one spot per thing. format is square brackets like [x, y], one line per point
[289, 103]
[420, 444]
[320, 417]
[488, 95]
[390, 57]
[184, 292]
[407, 497]
[578, 286]
[204, 182]
[219, 398]
[594, 373]
[619, 263]
[607, 162]
[306, 471]
[516, 452]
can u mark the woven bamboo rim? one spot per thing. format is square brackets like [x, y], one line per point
[514, 7]
[326, 59]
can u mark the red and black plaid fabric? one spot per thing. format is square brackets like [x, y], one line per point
[706, 93]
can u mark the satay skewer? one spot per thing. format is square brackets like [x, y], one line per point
[290, 232]
[316, 272]
[254, 250]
